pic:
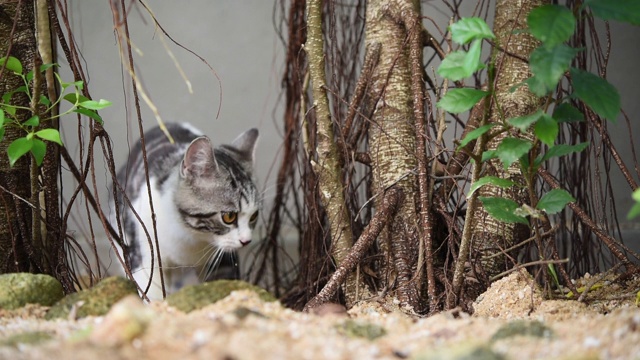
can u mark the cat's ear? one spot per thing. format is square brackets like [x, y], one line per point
[244, 147]
[199, 160]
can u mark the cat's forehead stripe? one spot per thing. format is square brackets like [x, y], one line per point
[196, 214]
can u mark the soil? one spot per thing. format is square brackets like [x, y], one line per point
[511, 321]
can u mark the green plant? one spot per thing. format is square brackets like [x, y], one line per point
[33, 141]
[635, 209]
[552, 25]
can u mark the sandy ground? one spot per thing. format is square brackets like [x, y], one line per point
[510, 321]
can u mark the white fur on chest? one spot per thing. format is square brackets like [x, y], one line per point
[178, 247]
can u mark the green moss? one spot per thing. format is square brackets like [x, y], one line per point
[19, 289]
[353, 328]
[30, 338]
[95, 301]
[196, 297]
[522, 328]
[461, 351]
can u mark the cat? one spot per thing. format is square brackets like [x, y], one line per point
[205, 201]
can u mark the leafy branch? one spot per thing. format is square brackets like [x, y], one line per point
[33, 141]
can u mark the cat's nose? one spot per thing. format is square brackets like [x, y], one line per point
[245, 242]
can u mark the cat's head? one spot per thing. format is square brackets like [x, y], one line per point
[216, 196]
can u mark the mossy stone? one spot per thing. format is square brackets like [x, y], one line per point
[30, 338]
[195, 297]
[461, 351]
[95, 301]
[523, 328]
[353, 328]
[19, 289]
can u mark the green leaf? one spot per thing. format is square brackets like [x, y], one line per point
[18, 148]
[1, 118]
[460, 100]
[488, 155]
[524, 122]
[461, 64]
[90, 113]
[619, 10]
[635, 209]
[597, 93]
[567, 113]
[1, 133]
[549, 64]
[492, 180]
[50, 135]
[536, 86]
[563, 149]
[546, 129]
[45, 100]
[468, 29]
[13, 64]
[512, 149]
[32, 121]
[474, 134]
[75, 98]
[38, 150]
[554, 201]
[503, 209]
[6, 97]
[95, 105]
[11, 110]
[551, 24]
[554, 275]
[472, 61]
[45, 67]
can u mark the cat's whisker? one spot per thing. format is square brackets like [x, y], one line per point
[209, 253]
[265, 190]
[214, 263]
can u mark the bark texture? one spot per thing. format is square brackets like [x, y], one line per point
[392, 141]
[328, 165]
[490, 236]
[16, 251]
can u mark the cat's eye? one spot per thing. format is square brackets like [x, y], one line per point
[229, 217]
[254, 217]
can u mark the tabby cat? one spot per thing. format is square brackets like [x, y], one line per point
[205, 201]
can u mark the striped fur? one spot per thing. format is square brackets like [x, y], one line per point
[205, 201]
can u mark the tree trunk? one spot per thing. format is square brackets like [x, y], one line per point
[17, 25]
[30, 238]
[328, 166]
[392, 143]
[489, 235]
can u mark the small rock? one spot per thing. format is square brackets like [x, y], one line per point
[354, 328]
[330, 309]
[195, 297]
[19, 289]
[242, 312]
[27, 338]
[512, 297]
[126, 320]
[522, 328]
[463, 351]
[95, 301]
